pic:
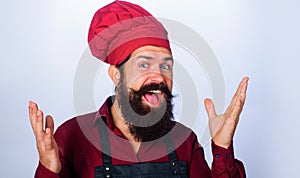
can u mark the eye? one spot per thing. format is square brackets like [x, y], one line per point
[165, 67]
[143, 65]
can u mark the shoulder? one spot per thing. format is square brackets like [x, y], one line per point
[73, 125]
[181, 129]
[186, 143]
[70, 135]
[182, 126]
[182, 134]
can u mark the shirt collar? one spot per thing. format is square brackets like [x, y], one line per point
[105, 114]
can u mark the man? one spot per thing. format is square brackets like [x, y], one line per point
[133, 133]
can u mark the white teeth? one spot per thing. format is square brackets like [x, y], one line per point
[155, 91]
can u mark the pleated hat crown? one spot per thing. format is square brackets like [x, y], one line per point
[121, 27]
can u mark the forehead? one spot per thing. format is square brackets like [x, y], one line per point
[149, 53]
[152, 50]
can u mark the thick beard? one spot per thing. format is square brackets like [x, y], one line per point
[146, 123]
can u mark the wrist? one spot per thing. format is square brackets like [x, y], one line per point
[221, 143]
[53, 167]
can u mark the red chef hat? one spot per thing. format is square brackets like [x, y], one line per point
[120, 28]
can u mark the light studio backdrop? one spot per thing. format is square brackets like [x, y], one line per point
[42, 44]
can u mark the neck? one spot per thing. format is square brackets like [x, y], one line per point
[120, 122]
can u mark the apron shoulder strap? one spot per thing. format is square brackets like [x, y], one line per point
[174, 163]
[170, 149]
[104, 141]
[105, 146]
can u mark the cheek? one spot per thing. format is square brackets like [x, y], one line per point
[168, 79]
[135, 80]
[169, 83]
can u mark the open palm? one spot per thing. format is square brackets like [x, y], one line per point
[223, 126]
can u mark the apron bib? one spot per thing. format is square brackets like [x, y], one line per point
[172, 169]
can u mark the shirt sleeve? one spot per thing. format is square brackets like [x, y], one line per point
[62, 138]
[43, 172]
[224, 164]
[199, 166]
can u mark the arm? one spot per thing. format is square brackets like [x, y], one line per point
[222, 128]
[224, 164]
[50, 164]
[43, 172]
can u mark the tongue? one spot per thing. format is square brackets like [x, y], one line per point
[152, 98]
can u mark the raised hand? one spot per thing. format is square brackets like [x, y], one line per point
[46, 145]
[222, 127]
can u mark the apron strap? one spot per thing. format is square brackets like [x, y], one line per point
[105, 147]
[174, 164]
[170, 150]
[104, 141]
[177, 168]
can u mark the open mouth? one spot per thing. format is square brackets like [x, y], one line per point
[153, 97]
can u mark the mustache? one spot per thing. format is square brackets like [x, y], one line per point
[153, 86]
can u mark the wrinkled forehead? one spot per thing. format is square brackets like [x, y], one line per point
[152, 50]
[150, 53]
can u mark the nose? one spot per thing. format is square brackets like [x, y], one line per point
[156, 78]
[155, 75]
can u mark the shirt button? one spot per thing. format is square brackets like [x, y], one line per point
[108, 175]
[217, 155]
[227, 156]
[107, 168]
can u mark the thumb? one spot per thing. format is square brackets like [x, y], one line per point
[210, 108]
[50, 123]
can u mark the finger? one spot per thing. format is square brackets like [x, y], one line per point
[237, 94]
[50, 123]
[39, 126]
[236, 111]
[241, 93]
[32, 114]
[49, 133]
[244, 88]
[239, 100]
[48, 140]
[210, 108]
[243, 85]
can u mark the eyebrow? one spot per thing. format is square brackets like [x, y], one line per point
[151, 58]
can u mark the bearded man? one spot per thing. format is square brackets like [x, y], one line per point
[134, 134]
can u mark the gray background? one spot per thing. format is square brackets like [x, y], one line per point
[42, 42]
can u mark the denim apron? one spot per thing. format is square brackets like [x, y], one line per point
[171, 169]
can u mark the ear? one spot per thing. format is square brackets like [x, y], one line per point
[114, 74]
